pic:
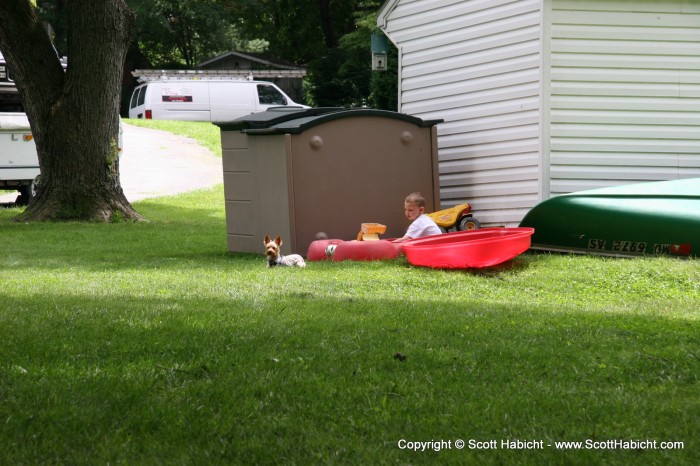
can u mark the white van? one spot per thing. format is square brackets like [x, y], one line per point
[205, 100]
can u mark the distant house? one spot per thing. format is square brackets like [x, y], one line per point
[543, 97]
[288, 77]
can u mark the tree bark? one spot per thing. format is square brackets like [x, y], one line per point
[73, 114]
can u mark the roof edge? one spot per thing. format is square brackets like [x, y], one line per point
[248, 57]
[384, 12]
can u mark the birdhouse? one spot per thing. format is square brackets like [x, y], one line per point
[380, 48]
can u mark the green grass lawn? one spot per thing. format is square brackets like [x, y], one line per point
[149, 343]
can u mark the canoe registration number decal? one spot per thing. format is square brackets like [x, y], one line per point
[629, 246]
[640, 247]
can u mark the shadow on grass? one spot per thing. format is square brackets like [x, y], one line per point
[301, 376]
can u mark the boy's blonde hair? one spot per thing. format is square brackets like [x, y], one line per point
[416, 198]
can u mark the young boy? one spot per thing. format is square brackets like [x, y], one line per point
[422, 225]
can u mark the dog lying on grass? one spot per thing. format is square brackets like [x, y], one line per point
[275, 257]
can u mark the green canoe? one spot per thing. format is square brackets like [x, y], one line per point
[648, 218]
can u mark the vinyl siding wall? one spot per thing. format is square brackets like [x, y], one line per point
[625, 92]
[476, 64]
[544, 97]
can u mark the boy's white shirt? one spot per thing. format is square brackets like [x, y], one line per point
[423, 226]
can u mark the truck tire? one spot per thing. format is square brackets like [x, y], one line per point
[27, 192]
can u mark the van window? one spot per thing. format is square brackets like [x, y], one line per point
[142, 95]
[134, 97]
[268, 95]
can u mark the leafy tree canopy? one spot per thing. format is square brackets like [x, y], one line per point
[331, 38]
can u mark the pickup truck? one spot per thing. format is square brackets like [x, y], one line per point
[19, 164]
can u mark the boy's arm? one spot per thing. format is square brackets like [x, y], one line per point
[411, 230]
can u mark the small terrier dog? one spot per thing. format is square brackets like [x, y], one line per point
[275, 257]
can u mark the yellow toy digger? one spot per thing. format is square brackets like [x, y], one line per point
[457, 217]
[371, 231]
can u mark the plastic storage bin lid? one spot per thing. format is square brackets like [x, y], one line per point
[273, 116]
[302, 122]
[295, 120]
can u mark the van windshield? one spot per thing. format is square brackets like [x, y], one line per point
[268, 95]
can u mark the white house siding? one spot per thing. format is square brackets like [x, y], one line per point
[625, 92]
[475, 64]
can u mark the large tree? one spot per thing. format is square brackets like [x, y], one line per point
[73, 113]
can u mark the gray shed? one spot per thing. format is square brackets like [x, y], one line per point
[296, 173]
[545, 97]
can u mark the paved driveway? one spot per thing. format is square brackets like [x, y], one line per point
[157, 163]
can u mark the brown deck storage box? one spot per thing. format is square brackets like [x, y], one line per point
[299, 172]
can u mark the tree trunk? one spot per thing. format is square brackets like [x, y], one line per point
[327, 24]
[74, 115]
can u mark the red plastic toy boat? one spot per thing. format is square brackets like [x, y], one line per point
[468, 249]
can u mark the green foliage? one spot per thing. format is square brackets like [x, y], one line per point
[177, 33]
[298, 31]
[384, 85]
[334, 46]
[326, 87]
[331, 39]
[342, 76]
[112, 158]
[376, 89]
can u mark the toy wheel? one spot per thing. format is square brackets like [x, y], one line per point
[468, 223]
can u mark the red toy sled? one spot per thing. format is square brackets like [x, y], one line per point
[468, 249]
